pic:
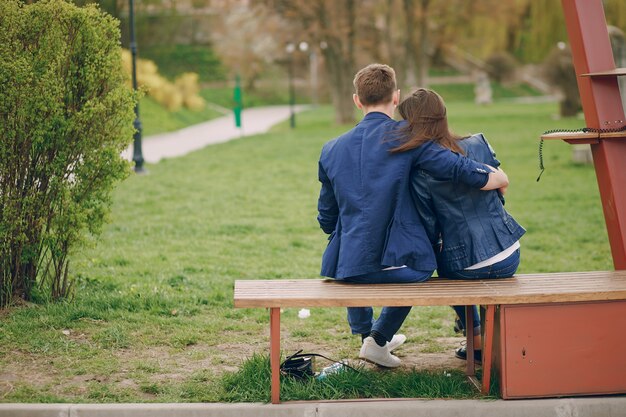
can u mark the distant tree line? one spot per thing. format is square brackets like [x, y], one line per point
[249, 36]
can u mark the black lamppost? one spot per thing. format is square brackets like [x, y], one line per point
[290, 49]
[137, 154]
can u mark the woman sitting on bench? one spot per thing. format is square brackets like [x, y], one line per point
[472, 234]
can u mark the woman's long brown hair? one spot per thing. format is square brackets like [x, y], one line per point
[425, 112]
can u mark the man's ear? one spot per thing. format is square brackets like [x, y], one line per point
[357, 102]
[396, 97]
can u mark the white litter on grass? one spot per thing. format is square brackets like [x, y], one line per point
[304, 313]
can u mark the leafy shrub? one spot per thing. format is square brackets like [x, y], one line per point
[501, 66]
[559, 70]
[66, 114]
[187, 84]
[182, 92]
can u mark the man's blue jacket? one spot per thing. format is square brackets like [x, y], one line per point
[365, 202]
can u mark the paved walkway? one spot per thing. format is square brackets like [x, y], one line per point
[564, 407]
[181, 142]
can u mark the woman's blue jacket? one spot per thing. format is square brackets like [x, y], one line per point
[465, 225]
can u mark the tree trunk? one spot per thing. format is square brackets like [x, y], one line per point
[340, 75]
[339, 56]
[422, 50]
[410, 53]
[388, 36]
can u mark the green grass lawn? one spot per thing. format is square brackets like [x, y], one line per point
[464, 92]
[153, 317]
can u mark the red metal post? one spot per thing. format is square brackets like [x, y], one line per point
[470, 369]
[275, 353]
[488, 348]
[602, 105]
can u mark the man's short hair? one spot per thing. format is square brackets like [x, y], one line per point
[375, 84]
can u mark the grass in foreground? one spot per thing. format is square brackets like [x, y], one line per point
[252, 384]
[153, 319]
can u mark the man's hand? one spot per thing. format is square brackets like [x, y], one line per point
[497, 180]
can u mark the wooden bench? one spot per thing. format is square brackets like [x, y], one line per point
[572, 287]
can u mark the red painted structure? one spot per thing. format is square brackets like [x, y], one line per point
[561, 349]
[547, 350]
[602, 105]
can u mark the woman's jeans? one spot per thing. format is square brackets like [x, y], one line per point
[503, 269]
[361, 319]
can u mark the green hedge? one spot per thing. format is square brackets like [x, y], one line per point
[174, 60]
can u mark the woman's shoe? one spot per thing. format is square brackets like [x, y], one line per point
[461, 353]
[458, 326]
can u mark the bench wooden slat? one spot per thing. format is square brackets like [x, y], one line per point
[522, 289]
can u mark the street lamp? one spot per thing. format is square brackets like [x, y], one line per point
[313, 76]
[290, 48]
[137, 154]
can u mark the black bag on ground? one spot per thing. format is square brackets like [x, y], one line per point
[298, 366]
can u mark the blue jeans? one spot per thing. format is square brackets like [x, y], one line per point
[503, 269]
[361, 319]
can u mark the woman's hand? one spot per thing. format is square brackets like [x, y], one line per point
[497, 180]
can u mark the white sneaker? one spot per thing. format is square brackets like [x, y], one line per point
[396, 341]
[380, 355]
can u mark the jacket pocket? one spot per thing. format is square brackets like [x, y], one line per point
[406, 242]
[454, 253]
[511, 225]
[330, 258]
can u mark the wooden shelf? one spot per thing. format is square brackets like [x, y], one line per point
[583, 137]
[616, 72]
[613, 135]
[574, 137]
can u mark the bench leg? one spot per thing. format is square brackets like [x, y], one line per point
[488, 348]
[275, 353]
[470, 370]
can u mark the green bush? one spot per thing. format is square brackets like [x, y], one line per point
[65, 116]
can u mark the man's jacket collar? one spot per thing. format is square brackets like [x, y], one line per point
[375, 115]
